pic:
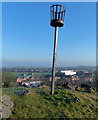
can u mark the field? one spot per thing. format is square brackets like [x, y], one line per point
[39, 74]
[38, 103]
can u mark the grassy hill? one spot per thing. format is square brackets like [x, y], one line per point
[38, 103]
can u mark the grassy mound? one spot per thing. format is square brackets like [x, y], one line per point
[38, 103]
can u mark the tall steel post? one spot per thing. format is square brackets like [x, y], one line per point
[54, 60]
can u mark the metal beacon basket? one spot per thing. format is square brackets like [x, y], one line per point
[57, 15]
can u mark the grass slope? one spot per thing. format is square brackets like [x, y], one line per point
[64, 104]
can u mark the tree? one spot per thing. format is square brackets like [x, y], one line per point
[8, 79]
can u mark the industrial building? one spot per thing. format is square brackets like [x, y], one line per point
[68, 72]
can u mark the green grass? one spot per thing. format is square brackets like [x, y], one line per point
[61, 105]
[41, 74]
[16, 74]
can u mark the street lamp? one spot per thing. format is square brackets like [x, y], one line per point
[57, 20]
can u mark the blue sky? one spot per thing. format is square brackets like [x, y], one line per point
[28, 37]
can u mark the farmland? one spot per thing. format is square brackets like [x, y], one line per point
[34, 73]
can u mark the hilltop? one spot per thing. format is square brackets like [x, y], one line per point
[38, 103]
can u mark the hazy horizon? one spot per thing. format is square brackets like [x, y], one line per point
[43, 65]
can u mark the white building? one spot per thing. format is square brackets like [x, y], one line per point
[68, 72]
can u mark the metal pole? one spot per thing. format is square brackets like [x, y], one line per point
[54, 60]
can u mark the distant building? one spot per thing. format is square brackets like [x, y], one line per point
[56, 78]
[25, 83]
[30, 83]
[28, 80]
[75, 77]
[21, 79]
[24, 77]
[68, 72]
[35, 83]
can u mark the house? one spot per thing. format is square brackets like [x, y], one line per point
[36, 83]
[30, 83]
[56, 78]
[75, 78]
[25, 83]
[24, 77]
[20, 79]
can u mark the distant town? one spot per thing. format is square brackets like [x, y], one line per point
[39, 77]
